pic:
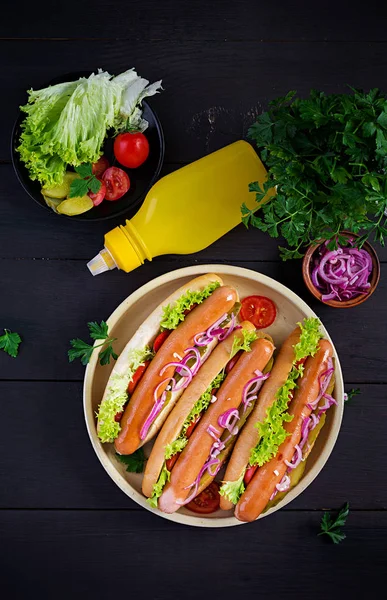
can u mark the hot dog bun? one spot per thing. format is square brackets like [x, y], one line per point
[147, 332]
[141, 402]
[195, 454]
[249, 436]
[174, 423]
[257, 494]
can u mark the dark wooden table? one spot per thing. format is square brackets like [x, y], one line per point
[65, 528]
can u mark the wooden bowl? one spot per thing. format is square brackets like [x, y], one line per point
[124, 322]
[375, 275]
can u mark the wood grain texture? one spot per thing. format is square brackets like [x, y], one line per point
[42, 234]
[213, 90]
[53, 465]
[57, 552]
[50, 301]
[196, 20]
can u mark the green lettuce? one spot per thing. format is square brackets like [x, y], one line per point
[117, 395]
[174, 314]
[66, 124]
[244, 342]
[158, 487]
[233, 490]
[271, 430]
[177, 445]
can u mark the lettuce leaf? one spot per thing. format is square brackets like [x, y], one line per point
[176, 446]
[233, 490]
[174, 314]
[117, 395]
[244, 343]
[158, 487]
[271, 430]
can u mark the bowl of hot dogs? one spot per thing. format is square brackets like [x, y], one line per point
[225, 401]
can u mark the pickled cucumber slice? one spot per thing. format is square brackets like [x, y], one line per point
[75, 206]
[52, 202]
[63, 190]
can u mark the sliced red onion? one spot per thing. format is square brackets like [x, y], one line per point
[156, 409]
[284, 484]
[296, 458]
[228, 419]
[214, 433]
[324, 380]
[183, 370]
[195, 485]
[341, 274]
[188, 356]
[252, 387]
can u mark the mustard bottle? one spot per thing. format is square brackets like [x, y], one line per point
[185, 211]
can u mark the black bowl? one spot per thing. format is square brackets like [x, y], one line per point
[141, 179]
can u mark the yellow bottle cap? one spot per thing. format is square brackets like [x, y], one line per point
[122, 249]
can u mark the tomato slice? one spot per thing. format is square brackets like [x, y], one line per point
[137, 376]
[160, 339]
[259, 310]
[233, 361]
[207, 501]
[117, 183]
[99, 167]
[100, 195]
[249, 474]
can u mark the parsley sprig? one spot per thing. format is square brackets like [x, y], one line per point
[83, 350]
[331, 525]
[134, 462]
[9, 342]
[349, 395]
[326, 156]
[88, 181]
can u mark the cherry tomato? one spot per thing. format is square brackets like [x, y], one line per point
[233, 361]
[137, 376]
[160, 339]
[207, 501]
[249, 474]
[100, 195]
[118, 416]
[117, 183]
[259, 310]
[131, 149]
[100, 166]
[302, 361]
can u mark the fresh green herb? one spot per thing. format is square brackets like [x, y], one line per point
[84, 351]
[271, 430]
[326, 157]
[331, 525]
[353, 392]
[174, 314]
[158, 487]
[88, 181]
[233, 490]
[134, 462]
[9, 342]
[117, 396]
[244, 342]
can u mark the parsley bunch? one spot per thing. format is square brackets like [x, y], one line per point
[9, 342]
[326, 157]
[83, 350]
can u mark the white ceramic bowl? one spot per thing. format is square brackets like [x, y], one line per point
[124, 322]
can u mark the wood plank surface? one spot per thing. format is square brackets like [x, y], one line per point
[197, 20]
[96, 553]
[213, 90]
[53, 465]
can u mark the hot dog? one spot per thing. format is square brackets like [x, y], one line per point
[264, 430]
[138, 352]
[201, 452]
[195, 399]
[149, 405]
[263, 484]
